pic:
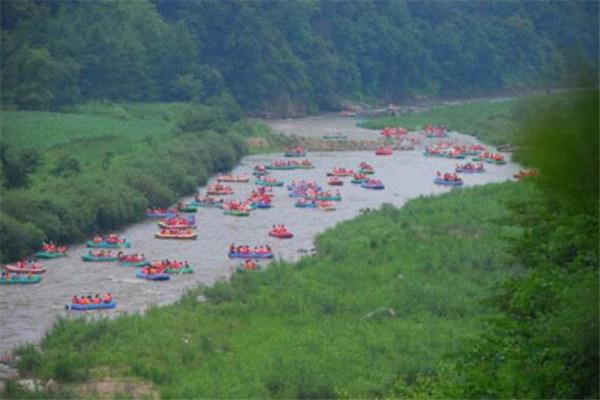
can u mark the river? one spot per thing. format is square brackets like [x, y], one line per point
[27, 311]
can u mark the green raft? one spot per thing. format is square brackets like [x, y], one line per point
[89, 257]
[261, 182]
[22, 280]
[187, 270]
[329, 198]
[237, 213]
[47, 254]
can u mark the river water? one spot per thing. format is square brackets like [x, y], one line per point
[27, 311]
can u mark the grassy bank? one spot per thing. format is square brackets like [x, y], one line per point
[390, 294]
[497, 123]
[95, 168]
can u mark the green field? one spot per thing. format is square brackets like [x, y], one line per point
[92, 131]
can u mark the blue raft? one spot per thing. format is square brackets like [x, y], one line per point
[250, 255]
[86, 307]
[439, 181]
[379, 186]
[153, 277]
[306, 204]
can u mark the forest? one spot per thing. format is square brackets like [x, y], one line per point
[288, 57]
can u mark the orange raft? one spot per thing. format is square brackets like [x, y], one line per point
[176, 234]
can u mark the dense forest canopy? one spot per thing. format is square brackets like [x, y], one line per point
[288, 56]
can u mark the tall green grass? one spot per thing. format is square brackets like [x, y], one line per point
[389, 295]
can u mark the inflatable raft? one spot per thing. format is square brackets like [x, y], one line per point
[48, 254]
[237, 213]
[281, 235]
[166, 226]
[439, 181]
[268, 183]
[153, 277]
[106, 245]
[306, 204]
[26, 270]
[186, 270]
[250, 255]
[384, 152]
[87, 307]
[143, 263]
[21, 280]
[329, 198]
[376, 186]
[90, 257]
[192, 236]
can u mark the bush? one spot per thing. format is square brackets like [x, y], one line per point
[17, 238]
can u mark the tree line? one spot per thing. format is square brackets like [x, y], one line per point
[288, 57]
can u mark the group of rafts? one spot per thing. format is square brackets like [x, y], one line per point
[447, 149]
[101, 249]
[308, 194]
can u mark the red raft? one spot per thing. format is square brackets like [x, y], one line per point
[280, 232]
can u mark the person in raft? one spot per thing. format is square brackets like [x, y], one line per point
[249, 264]
[246, 249]
[279, 229]
[85, 300]
[448, 177]
[51, 248]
